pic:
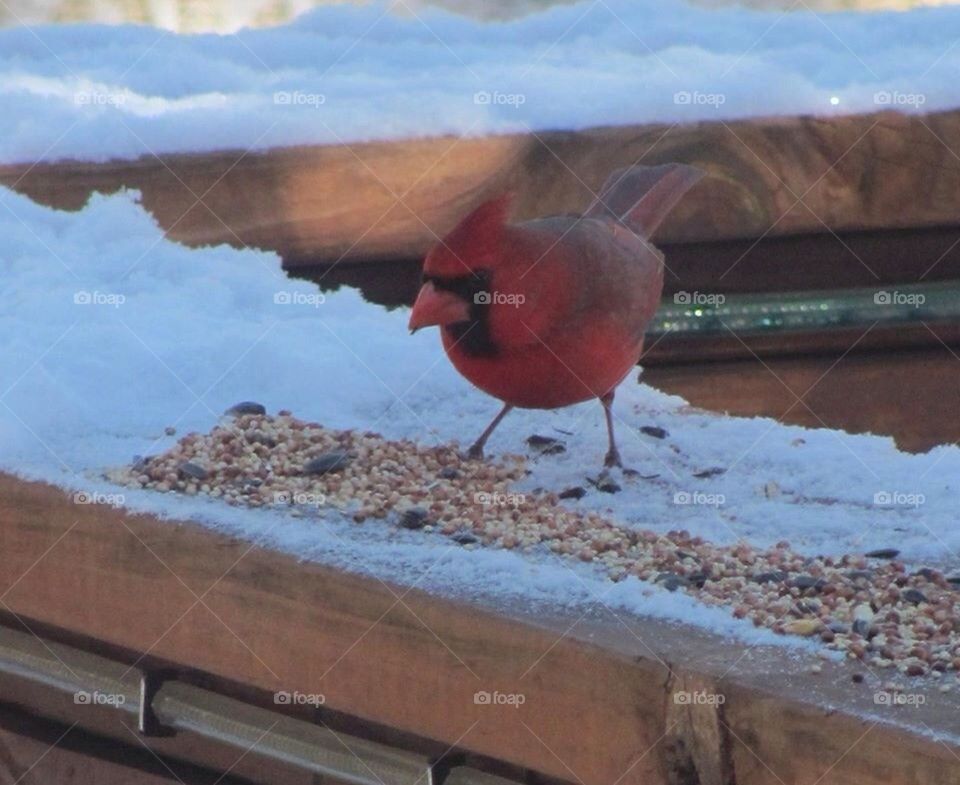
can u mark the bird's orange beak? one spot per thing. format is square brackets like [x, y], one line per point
[434, 306]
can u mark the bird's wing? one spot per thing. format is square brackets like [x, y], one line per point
[573, 272]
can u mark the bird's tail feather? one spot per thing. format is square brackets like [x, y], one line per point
[642, 196]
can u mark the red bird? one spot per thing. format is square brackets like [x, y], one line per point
[552, 312]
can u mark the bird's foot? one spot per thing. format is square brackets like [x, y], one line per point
[613, 459]
[475, 453]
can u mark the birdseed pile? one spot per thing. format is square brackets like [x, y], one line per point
[867, 606]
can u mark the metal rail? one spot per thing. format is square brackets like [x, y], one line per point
[705, 313]
[178, 707]
[314, 748]
[90, 679]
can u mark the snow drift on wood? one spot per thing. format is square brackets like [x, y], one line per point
[114, 333]
[386, 71]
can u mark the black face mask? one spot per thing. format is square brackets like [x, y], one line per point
[473, 335]
[464, 286]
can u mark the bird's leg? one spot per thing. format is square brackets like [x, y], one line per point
[476, 449]
[613, 454]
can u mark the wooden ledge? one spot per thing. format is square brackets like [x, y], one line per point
[387, 200]
[601, 693]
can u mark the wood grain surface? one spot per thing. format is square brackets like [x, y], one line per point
[381, 200]
[599, 687]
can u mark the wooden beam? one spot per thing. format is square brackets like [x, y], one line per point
[598, 689]
[384, 200]
[910, 395]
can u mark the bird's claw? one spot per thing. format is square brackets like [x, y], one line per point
[475, 453]
[613, 459]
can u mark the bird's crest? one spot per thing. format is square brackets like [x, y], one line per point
[473, 243]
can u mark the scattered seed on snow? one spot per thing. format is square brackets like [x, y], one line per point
[915, 596]
[246, 407]
[576, 492]
[414, 518]
[328, 462]
[193, 470]
[883, 553]
[881, 616]
[713, 471]
[546, 445]
[654, 430]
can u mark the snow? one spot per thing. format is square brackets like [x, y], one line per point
[349, 73]
[113, 333]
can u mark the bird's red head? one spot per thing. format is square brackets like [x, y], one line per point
[458, 270]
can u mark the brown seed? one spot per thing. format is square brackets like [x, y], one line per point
[803, 626]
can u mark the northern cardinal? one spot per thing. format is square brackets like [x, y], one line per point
[552, 311]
